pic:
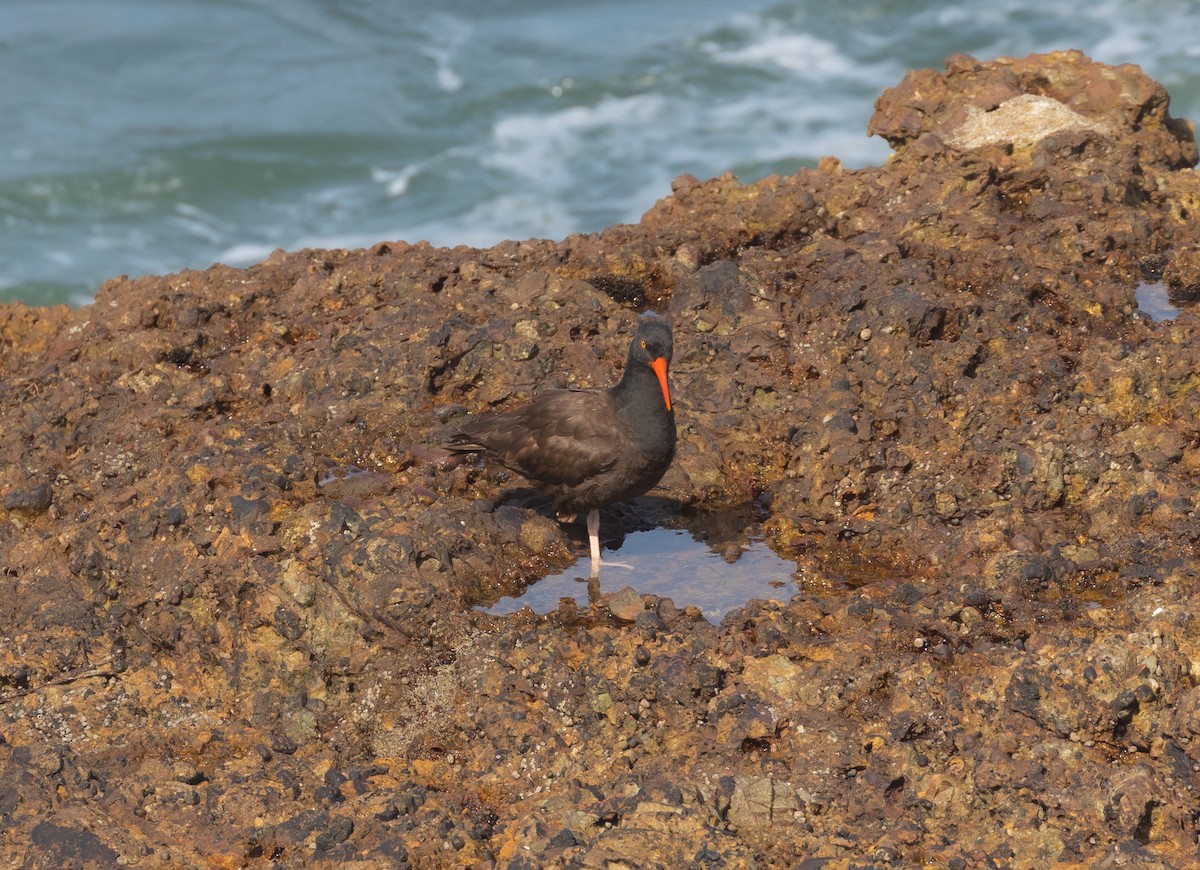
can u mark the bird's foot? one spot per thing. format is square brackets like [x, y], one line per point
[565, 518]
[604, 563]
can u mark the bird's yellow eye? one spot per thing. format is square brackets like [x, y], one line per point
[643, 344]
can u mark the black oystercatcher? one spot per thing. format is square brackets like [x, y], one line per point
[590, 448]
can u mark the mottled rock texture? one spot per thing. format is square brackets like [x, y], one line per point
[236, 622]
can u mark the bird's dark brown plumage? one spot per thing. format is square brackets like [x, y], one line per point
[590, 448]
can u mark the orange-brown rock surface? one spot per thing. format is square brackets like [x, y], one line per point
[236, 604]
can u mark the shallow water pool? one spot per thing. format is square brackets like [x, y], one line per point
[698, 564]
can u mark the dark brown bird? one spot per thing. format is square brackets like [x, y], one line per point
[590, 448]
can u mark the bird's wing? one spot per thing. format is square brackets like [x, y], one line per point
[561, 437]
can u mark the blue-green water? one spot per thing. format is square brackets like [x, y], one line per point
[142, 136]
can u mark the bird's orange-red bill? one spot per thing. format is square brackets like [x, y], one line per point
[660, 368]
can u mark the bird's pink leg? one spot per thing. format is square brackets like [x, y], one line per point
[593, 527]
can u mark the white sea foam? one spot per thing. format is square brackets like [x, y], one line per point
[488, 222]
[539, 146]
[952, 16]
[1135, 41]
[786, 128]
[448, 78]
[514, 215]
[444, 37]
[60, 258]
[199, 223]
[245, 254]
[768, 45]
[395, 181]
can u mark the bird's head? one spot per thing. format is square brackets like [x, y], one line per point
[652, 347]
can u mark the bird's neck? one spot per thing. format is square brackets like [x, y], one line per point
[639, 396]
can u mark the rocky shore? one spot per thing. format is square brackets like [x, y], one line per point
[239, 576]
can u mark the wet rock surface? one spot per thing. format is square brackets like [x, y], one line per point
[236, 621]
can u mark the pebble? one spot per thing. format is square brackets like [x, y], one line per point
[626, 604]
[49, 763]
[338, 831]
[187, 773]
[34, 500]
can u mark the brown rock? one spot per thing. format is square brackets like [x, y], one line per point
[626, 604]
[34, 499]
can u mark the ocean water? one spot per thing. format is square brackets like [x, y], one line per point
[145, 137]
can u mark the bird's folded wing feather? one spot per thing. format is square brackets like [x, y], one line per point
[563, 436]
